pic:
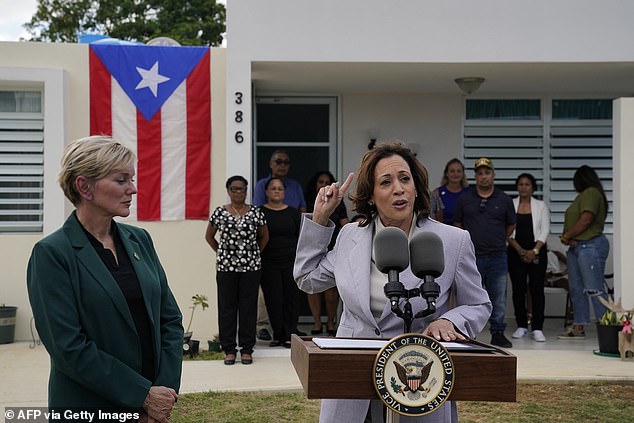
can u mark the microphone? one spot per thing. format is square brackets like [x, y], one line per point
[427, 257]
[391, 257]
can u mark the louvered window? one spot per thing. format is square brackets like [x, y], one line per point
[580, 133]
[549, 139]
[21, 161]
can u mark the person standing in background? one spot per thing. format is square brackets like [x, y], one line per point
[243, 235]
[280, 164]
[588, 250]
[339, 217]
[100, 297]
[278, 285]
[453, 184]
[489, 216]
[527, 257]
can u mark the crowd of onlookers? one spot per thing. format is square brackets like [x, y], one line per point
[256, 248]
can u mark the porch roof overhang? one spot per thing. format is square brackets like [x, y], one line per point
[613, 79]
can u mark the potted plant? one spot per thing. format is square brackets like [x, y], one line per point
[7, 323]
[191, 346]
[609, 326]
[214, 344]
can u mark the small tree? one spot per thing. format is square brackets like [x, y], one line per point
[195, 22]
[197, 300]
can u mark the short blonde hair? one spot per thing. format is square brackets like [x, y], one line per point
[93, 158]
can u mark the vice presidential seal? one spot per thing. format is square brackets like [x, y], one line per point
[413, 374]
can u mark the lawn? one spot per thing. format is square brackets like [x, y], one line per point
[569, 402]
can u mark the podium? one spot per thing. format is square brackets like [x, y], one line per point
[488, 374]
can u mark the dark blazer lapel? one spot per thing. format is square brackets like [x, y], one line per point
[140, 264]
[89, 258]
[359, 257]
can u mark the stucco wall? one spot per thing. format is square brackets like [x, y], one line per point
[187, 259]
[431, 124]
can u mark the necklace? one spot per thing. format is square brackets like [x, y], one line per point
[239, 215]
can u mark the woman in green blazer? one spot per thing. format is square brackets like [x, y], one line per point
[100, 297]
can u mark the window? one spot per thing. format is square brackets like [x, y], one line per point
[305, 127]
[21, 161]
[548, 138]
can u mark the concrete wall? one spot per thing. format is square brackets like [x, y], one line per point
[622, 155]
[431, 124]
[188, 260]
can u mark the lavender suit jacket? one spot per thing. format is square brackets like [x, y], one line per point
[348, 267]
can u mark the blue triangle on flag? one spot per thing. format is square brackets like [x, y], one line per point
[149, 74]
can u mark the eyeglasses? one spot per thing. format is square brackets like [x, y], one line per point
[483, 204]
[281, 162]
[238, 189]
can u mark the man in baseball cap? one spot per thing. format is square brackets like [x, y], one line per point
[489, 216]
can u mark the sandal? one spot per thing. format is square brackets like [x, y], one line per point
[246, 358]
[573, 333]
[230, 359]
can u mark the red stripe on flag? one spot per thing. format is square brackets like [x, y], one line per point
[149, 167]
[198, 172]
[100, 97]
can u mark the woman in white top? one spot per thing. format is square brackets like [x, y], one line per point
[527, 256]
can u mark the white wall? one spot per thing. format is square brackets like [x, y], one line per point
[622, 156]
[431, 122]
[431, 31]
[188, 260]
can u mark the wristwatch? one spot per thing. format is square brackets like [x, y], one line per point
[536, 251]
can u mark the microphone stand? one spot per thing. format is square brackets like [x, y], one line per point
[429, 290]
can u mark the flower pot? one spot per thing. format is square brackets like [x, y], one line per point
[214, 346]
[608, 336]
[7, 324]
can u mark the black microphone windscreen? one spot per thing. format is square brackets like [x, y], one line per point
[427, 255]
[391, 250]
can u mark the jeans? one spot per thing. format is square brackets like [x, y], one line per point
[493, 269]
[586, 268]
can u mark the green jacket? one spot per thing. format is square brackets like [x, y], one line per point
[87, 328]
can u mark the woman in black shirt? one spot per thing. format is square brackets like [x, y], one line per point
[278, 257]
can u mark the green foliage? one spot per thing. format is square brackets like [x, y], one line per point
[610, 318]
[197, 300]
[193, 22]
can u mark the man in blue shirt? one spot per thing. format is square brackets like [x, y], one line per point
[293, 194]
[294, 197]
[489, 216]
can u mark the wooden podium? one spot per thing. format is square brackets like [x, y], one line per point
[489, 375]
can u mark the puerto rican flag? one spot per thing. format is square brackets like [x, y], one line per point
[157, 101]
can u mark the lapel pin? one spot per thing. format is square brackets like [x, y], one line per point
[136, 256]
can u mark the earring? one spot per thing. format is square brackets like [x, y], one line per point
[89, 197]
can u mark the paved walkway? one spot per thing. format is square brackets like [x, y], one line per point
[24, 371]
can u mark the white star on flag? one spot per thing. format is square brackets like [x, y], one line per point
[150, 78]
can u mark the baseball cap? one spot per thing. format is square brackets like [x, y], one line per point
[483, 161]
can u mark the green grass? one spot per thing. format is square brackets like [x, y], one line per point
[205, 355]
[566, 403]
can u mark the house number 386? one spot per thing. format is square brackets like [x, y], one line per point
[238, 118]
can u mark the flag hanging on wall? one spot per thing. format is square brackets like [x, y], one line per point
[157, 101]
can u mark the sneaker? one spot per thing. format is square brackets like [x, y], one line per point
[538, 336]
[519, 333]
[573, 333]
[498, 339]
[264, 335]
